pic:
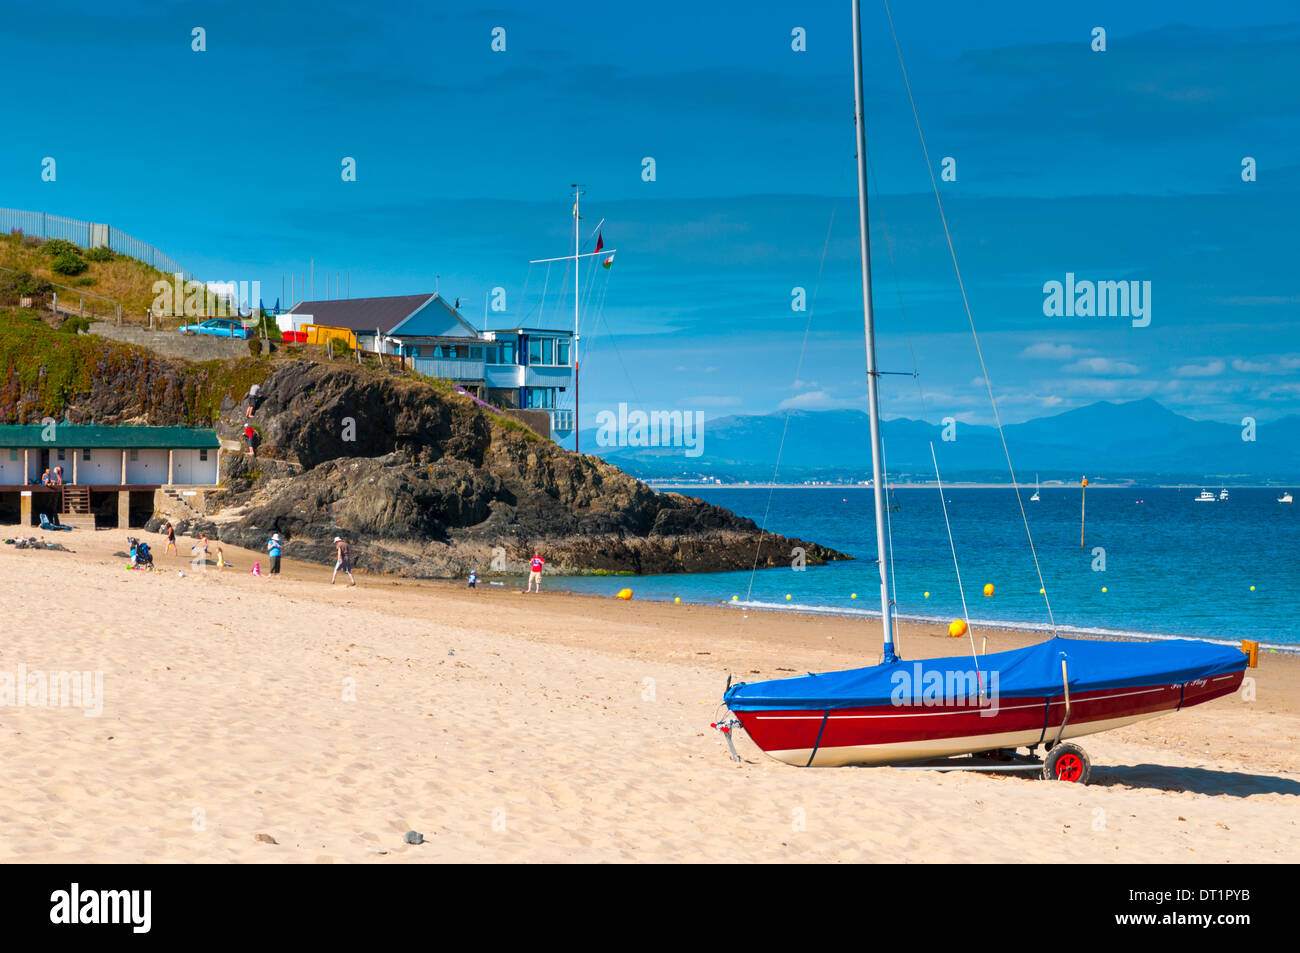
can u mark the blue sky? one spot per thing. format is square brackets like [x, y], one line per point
[1122, 165]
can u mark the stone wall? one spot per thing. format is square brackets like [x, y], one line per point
[189, 347]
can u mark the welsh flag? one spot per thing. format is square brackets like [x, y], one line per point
[607, 262]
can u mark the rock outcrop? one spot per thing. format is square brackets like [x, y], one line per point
[423, 482]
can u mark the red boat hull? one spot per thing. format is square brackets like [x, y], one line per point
[889, 734]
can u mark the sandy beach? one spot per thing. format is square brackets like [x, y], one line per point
[253, 719]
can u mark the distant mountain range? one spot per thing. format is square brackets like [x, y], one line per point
[1138, 440]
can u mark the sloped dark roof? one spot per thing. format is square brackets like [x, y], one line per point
[99, 436]
[362, 314]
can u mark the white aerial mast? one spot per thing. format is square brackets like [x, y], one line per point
[576, 257]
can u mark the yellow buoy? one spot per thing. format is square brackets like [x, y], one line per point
[957, 628]
[927, 595]
[1252, 588]
[1103, 588]
[735, 598]
[988, 588]
[1042, 592]
[855, 595]
[678, 600]
[623, 594]
[787, 597]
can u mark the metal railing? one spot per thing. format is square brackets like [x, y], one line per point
[87, 235]
[449, 368]
[114, 309]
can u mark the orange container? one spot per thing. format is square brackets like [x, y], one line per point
[1252, 650]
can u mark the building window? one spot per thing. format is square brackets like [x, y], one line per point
[562, 352]
[13, 454]
[476, 354]
[535, 351]
[134, 455]
[541, 398]
[85, 454]
[203, 455]
[62, 457]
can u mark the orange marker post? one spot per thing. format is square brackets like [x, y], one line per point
[1083, 507]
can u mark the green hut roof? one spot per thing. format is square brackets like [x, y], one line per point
[98, 436]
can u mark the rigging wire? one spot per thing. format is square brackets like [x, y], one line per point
[961, 285]
[965, 613]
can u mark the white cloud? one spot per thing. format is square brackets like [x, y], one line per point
[814, 400]
[1053, 352]
[1212, 369]
[1101, 365]
[1250, 367]
[709, 400]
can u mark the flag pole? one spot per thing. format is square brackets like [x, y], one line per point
[577, 419]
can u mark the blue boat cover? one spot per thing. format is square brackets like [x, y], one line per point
[1034, 671]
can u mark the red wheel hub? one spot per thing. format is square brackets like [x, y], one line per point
[1069, 767]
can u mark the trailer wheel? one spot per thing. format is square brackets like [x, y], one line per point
[1067, 763]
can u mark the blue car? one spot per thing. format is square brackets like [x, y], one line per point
[218, 327]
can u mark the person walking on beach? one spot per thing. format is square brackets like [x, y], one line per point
[171, 541]
[273, 549]
[200, 552]
[344, 561]
[535, 571]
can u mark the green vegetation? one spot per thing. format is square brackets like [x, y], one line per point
[45, 369]
[125, 280]
[68, 263]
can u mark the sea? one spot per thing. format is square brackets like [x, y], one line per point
[1154, 562]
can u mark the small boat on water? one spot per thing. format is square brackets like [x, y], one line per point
[1206, 497]
[1285, 497]
[1223, 496]
[1034, 498]
[981, 705]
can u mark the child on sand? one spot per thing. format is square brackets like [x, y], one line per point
[221, 559]
[535, 571]
[171, 541]
[473, 579]
[344, 561]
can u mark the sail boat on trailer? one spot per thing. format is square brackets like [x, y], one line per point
[899, 712]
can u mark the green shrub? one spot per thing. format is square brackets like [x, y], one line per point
[55, 247]
[22, 285]
[85, 281]
[68, 263]
[102, 253]
[76, 325]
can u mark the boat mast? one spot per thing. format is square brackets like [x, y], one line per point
[868, 323]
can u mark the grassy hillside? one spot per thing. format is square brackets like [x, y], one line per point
[48, 372]
[125, 280]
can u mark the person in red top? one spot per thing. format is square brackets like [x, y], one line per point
[251, 436]
[535, 571]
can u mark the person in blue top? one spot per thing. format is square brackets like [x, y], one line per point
[273, 547]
